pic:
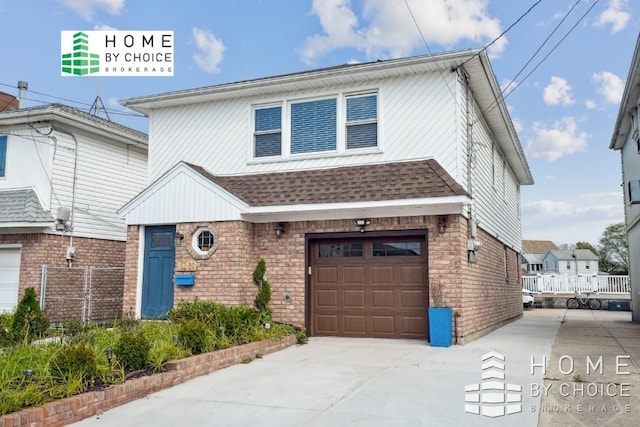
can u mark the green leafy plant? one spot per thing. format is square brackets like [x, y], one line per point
[205, 311]
[132, 350]
[263, 298]
[301, 335]
[196, 336]
[73, 360]
[128, 322]
[29, 320]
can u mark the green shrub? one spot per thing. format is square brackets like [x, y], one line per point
[75, 359]
[263, 298]
[128, 322]
[132, 350]
[239, 323]
[204, 311]
[29, 310]
[196, 336]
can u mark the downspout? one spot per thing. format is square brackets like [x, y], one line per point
[470, 148]
[73, 191]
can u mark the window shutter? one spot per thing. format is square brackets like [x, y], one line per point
[362, 125]
[3, 154]
[313, 126]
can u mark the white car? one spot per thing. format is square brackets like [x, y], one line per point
[527, 298]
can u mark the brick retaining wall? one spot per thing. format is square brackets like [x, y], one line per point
[75, 408]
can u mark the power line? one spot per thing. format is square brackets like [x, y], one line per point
[495, 102]
[427, 45]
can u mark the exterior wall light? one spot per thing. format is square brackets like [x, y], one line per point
[179, 237]
[279, 229]
[362, 223]
[442, 224]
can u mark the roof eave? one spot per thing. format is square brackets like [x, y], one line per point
[628, 103]
[24, 117]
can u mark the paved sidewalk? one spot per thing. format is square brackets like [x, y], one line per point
[592, 397]
[344, 382]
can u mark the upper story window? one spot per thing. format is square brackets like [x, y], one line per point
[362, 121]
[313, 126]
[334, 124]
[634, 191]
[3, 155]
[267, 134]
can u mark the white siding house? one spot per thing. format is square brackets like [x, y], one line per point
[626, 139]
[63, 176]
[570, 262]
[398, 158]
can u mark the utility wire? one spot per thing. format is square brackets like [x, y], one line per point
[427, 45]
[504, 32]
[504, 97]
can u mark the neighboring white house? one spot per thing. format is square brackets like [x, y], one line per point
[570, 262]
[626, 138]
[532, 253]
[63, 175]
[360, 185]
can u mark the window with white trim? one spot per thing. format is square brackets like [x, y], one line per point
[3, 155]
[634, 191]
[203, 241]
[362, 121]
[267, 131]
[313, 126]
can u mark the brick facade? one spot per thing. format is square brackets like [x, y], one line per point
[40, 249]
[479, 292]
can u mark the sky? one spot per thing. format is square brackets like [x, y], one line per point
[561, 63]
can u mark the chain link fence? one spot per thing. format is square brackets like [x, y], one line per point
[85, 294]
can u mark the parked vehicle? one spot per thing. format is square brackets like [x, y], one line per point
[585, 300]
[527, 298]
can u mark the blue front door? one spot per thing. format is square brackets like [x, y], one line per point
[157, 276]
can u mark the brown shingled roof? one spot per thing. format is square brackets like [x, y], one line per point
[8, 102]
[538, 246]
[390, 181]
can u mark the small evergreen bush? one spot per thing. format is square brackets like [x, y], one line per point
[76, 359]
[263, 297]
[29, 311]
[196, 336]
[132, 350]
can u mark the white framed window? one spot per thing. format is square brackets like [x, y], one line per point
[203, 241]
[267, 131]
[634, 191]
[361, 121]
[301, 127]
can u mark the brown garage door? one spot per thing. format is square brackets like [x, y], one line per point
[369, 288]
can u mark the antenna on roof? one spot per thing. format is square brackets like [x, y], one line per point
[98, 104]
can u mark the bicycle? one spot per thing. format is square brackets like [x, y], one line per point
[584, 301]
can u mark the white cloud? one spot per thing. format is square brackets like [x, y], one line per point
[209, 50]
[558, 92]
[87, 8]
[616, 15]
[582, 217]
[590, 104]
[610, 86]
[508, 86]
[561, 139]
[517, 124]
[104, 27]
[388, 29]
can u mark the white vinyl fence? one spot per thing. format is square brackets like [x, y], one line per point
[581, 283]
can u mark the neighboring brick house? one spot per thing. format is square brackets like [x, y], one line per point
[365, 188]
[626, 139]
[63, 175]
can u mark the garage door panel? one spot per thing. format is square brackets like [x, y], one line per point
[9, 278]
[354, 275]
[370, 294]
[411, 274]
[327, 274]
[354, 298]
[327, 324]
[383, 325]
[382, 298]
[382, 275]
[327, 298]
[355, 324]
[410, 298]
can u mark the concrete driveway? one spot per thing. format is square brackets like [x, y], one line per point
[342, 381]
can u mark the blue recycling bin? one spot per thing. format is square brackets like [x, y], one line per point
[440, 319]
